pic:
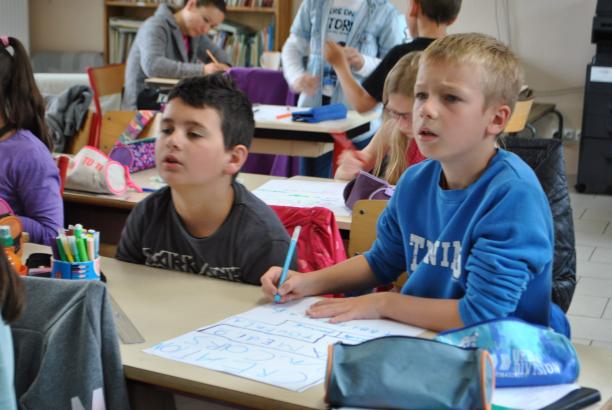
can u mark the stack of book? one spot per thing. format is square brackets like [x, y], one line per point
[242, 44]
[121, 33]
[250, 3]
[176, 3]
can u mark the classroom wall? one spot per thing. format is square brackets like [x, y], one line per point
[66, 25]
[552, 38]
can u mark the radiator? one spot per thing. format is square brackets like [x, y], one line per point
[14, 20]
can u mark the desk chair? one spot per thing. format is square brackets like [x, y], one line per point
[320, 243]
[62, 163]
[363, 232]
[114, 123]
[518, 119]
[66, 348]
[81, 138]
[105, 81]
[265, 86]
[545, 156]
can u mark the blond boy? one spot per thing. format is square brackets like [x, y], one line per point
[471, 225]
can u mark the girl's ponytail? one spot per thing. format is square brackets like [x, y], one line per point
[20, 98]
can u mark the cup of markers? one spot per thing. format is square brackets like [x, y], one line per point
[76, 254]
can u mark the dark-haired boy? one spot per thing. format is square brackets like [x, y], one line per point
[427, 20]
[205, 222]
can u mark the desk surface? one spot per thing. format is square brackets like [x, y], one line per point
[165, 304]
[144, 178]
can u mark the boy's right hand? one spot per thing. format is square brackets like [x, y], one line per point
[293, 288]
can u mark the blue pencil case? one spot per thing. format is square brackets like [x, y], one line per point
[323, 113]
[524, 354]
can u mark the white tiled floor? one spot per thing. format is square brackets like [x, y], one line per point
[590, 313]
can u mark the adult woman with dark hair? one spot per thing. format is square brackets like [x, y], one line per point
[175, 45]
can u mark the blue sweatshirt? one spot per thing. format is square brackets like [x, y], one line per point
[489, 245]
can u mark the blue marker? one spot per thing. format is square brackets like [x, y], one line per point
[290, 252]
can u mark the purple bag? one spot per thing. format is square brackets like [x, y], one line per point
[136, 154]
[366, 186]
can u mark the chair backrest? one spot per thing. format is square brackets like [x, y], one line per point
[320, 243]
[263, 86]
[105, 81]
[62, 163]
[114, 123]
[545, 156]
[363, 225]
[77, 316]
[519, 116]
[363, 231]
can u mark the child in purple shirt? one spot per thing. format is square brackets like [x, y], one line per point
[29, 178]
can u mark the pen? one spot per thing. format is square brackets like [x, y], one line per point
[281, 116]
[290, 252]
[212, 56]
[144, 189]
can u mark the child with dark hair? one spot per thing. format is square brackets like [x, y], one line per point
[205, 222]
[427, 20]
[175, 44]
[11, 305]
[29, 178]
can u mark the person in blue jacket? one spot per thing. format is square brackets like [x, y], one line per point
[471, 225]
[366, 30]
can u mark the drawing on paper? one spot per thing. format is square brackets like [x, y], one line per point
[274, 344]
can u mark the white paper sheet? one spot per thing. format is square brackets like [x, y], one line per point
[273, 344]
[531, 398]
[295, 192]
[271, 112]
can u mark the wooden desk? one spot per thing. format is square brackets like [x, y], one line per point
[108, 213]
[344, 222]
[285, 137]
[165, 304]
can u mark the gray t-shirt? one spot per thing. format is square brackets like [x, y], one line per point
[251, 239]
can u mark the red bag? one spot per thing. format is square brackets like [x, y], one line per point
[320, 244]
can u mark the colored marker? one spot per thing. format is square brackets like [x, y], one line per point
[82, 248]
[73, 248]
[60, 249]
[66, 247]
[285, 115]
[91, 252]
[290, 252]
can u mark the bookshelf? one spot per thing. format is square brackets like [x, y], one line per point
[258, 18]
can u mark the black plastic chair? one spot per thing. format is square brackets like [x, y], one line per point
[545, 156]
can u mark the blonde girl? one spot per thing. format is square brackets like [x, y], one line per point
[392, 148]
